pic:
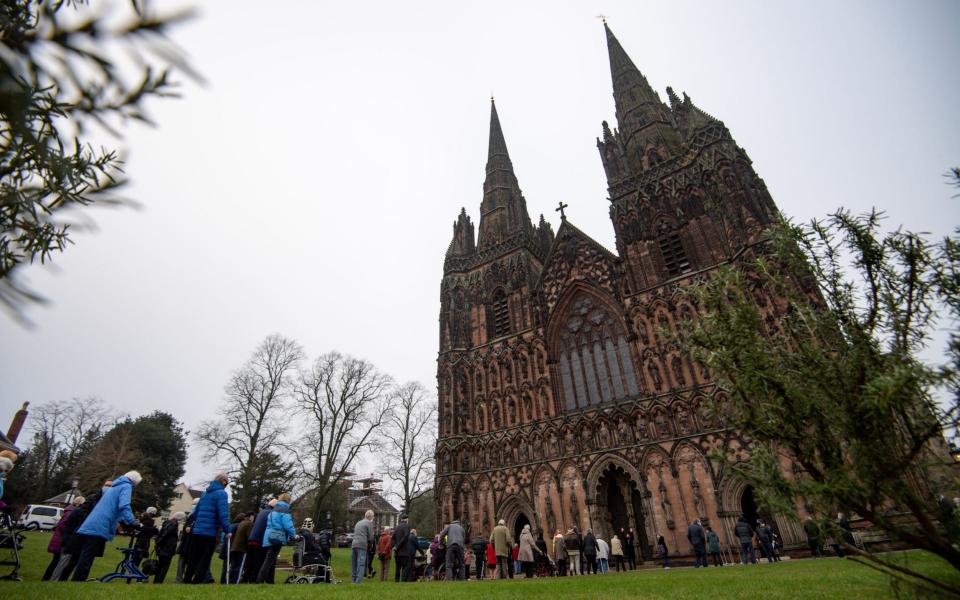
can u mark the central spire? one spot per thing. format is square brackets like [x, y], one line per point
[503, 211]
[497, 147]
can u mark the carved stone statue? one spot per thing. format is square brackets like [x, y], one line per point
[654, 371]
[678, 370]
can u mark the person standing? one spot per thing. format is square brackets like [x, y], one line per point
[479, 547]
[560, 554]
[698, 540]
[763, 536]
[526, 552]
[57, 541]
[183, 549]
[166, 545]
[813, 537]
[572, 543]
[616, 550]
[502, 544]
[630, 548]
[148, 531]
[515, 559]
[491, 560]
[454, 537]
[238, 546]
[384, 550]
[101, 525]
[543, 556]
[744, 534]
[401, 553]
[213, 515]
[713, 546]
[603, 555]
[255, 550]
[69, 550]
[363, 536]
[277, 533]
[664, 552]
[590, 552]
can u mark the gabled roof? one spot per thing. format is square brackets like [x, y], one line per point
[63, 497]
[566, 231]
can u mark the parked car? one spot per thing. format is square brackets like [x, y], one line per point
[344, 540]
[39, 516]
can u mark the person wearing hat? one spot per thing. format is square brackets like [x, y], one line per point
[101, 525]
[502, 545]
[166, 545]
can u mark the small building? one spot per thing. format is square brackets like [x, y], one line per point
[183, 497]
[366, 495]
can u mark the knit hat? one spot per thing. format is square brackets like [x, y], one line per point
[6, 465]
[134, 477]
[179, 515]
[151, 510]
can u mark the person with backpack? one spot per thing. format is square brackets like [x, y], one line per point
[479, 547]
[713, 546]
[384, 550]
[664, 552]
[278, 531]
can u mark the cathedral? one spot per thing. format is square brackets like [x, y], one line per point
[564, 397]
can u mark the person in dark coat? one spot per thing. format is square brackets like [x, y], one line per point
[412, 551]
[812, 530]
[213, 515]
[57, 540]
[479, 547]
[629, 547]
[100, 526]
[543, 559]
[698, 540]
[166, 545]
[713, 546]
[744, 533]
[183, 548]
[253, 560]
[148, 531]
[765, 536]
[401, 551]
[664, 552]
[590, 549]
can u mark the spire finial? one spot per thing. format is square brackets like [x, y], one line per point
[559, 209]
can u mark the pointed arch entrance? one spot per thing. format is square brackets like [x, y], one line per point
[619, 505]
[519, 522]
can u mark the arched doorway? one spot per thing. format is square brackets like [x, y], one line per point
[620, 506]
[518, 526]
[750, 509]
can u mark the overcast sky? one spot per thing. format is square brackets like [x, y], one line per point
[310, 188]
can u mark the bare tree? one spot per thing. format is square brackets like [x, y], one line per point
[346, 400]
[250, 421]
[63, 432]
[412, 438]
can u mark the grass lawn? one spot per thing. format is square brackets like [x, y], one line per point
[827, 578]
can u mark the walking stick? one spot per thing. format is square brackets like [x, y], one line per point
[243, 562]
[226, 540]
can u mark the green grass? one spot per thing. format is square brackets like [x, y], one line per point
[827, 578]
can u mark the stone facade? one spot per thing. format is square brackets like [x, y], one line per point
[564, 398]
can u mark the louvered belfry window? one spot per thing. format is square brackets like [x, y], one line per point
[500, 314]
[675, 258]
[594, 359]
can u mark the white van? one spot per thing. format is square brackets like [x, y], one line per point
[38, 516]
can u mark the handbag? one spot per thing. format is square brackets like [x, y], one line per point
[150, 566]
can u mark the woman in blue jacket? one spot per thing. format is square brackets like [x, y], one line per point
[101, 524]
[279, 531]
[213, 514]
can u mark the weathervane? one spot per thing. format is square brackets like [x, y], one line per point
[602, 18]
[560, 208]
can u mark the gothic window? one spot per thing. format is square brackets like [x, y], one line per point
[498, 317]
[674, 257]
[594, 358]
